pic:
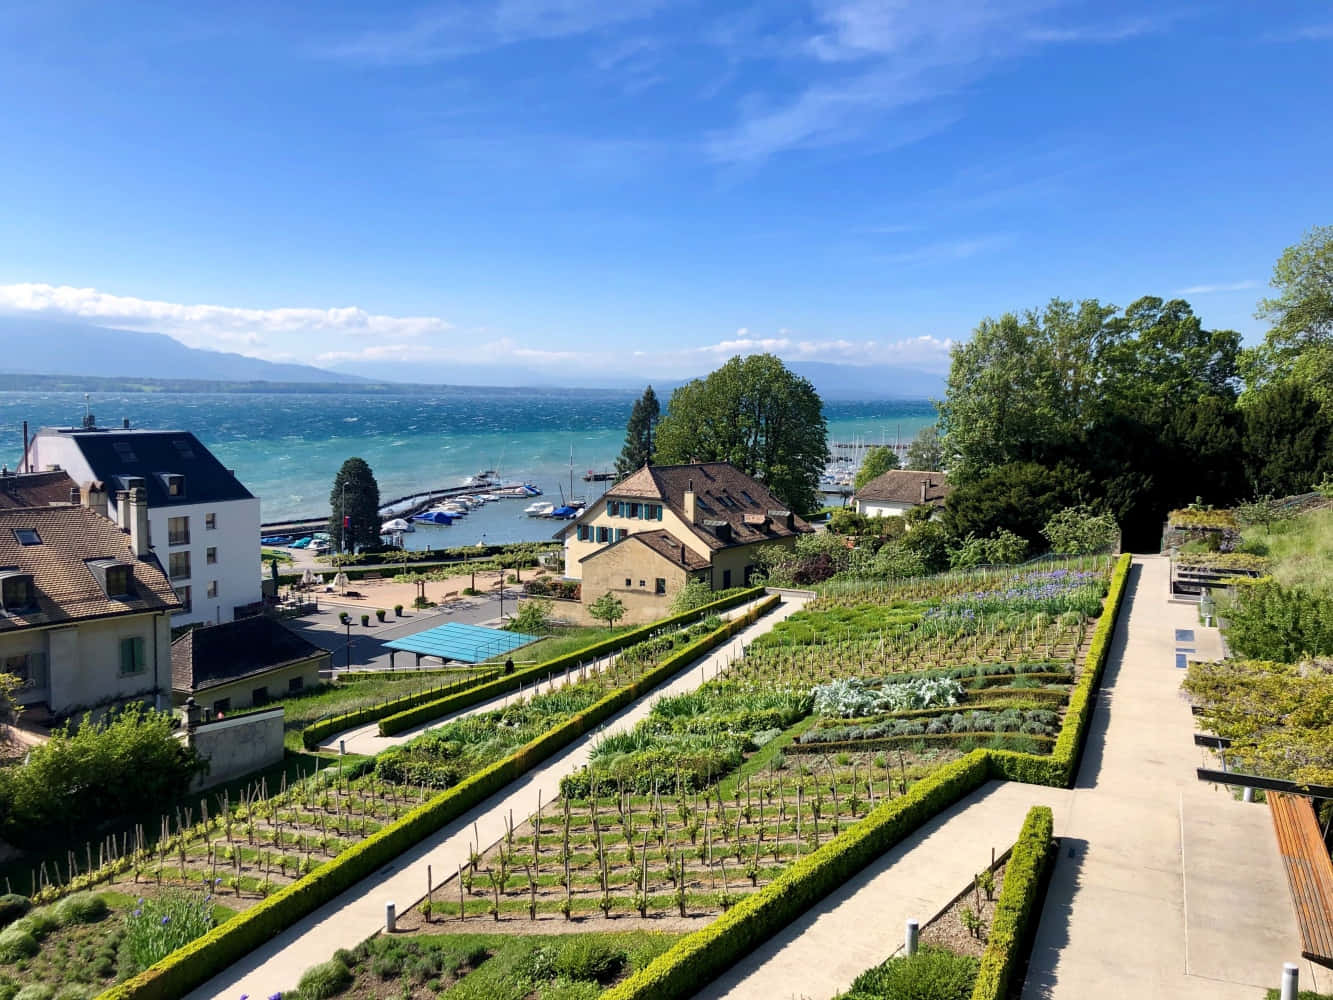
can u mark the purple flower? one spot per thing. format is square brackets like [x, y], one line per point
[165, 921]
[138, 912]
[276, 996]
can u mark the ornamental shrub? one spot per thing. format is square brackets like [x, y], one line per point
[13, 906]
[127, 764]
[930, 974]
[325, 980]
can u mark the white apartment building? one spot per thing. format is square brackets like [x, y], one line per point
[203, 524]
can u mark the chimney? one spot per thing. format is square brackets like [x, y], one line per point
[74, 495]
[123, 510]
[138, 518]
[94, 498]
[689, 502]
[125, 423]
[925, 485]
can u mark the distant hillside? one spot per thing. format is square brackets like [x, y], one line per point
[63, 347]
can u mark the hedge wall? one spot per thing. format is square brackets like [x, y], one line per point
[196, 963]
[697, 958]
[397, 722]
[1022, 878]
[1061, 766]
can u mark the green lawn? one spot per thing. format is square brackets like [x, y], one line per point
[1301, 550]
[566, 640]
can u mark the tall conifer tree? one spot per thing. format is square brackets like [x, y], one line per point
[638, 450]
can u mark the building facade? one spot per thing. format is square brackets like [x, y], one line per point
[242, 663]
[203, 523]
[897, 491]
[663, 525]
[85, 610]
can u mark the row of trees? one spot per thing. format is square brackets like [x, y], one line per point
[1141, 409]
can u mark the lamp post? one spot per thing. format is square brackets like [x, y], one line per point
[348, 625]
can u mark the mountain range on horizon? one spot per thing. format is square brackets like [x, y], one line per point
[69, 348]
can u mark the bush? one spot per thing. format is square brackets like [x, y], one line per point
[587, 958]
[128, 764]
[158, 927]
[398, 610]
[80, 908]
[13, 906]
[325, 980]
[365, 620]
[930, 974]
[381, 614]
[36, 991]
[1009, 926]
[17, 942]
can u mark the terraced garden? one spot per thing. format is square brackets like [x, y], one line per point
[838, 709]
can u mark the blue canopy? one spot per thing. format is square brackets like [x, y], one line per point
[465, 643]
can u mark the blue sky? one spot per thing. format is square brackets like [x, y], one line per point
[647, 187]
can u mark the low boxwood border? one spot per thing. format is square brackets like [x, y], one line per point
[393, 723]
[1018, 897]
[321, 729]
[1061, 766]
[196, 963]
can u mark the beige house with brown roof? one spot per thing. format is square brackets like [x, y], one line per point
[663, 525]
[897, 491]
[85, 609]
[249, 661]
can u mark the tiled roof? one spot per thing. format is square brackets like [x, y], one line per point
[67, 589]
[114, 454]
[665, 544]
[34, 489]
[218, 654]
[904, 486]
[725, 498]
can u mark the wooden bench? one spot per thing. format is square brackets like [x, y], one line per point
[1309, 872]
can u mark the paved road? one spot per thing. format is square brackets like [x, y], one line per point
[1164, 887]
[359, 912]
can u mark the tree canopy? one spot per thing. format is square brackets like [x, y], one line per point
[643, 417]
[759, 416]
[926, 451]
[1286, 439]
[874, 464]
[355, 497]
[1299, 344]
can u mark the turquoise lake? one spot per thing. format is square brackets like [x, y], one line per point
[286, 448]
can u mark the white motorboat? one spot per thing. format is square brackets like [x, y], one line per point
[539, 509]
[456, 509]
[397, 524]
[488, 498]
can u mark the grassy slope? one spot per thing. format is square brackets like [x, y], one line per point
[1301, 550]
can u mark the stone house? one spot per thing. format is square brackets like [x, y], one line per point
[242, 663]
[664, 525]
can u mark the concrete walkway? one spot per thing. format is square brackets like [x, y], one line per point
[1164, 887]
[359, 912]
[861, 924]
[367, 739]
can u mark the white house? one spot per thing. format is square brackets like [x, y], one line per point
[897, 491]
[203, 523]
[85, 609]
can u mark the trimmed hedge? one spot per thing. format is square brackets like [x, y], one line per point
[700, 956]
[1061, 766]
[321, 729]
[1008, 930]
[391, 724]
[197, 962]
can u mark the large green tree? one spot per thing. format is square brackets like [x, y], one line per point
[354, 507]
[638, 450]
[1020, 497]
[1286, 439]
[1299, 344]
[874, 464]
[759, 416]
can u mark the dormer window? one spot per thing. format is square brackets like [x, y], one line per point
[17, 592]
[115, 577]
[175, 484]
[129, 483]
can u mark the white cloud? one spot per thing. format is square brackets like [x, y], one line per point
[1234, 286]
[885, 64]
[926, 351]
[462, 351]
[446, 31]
[206, 325]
